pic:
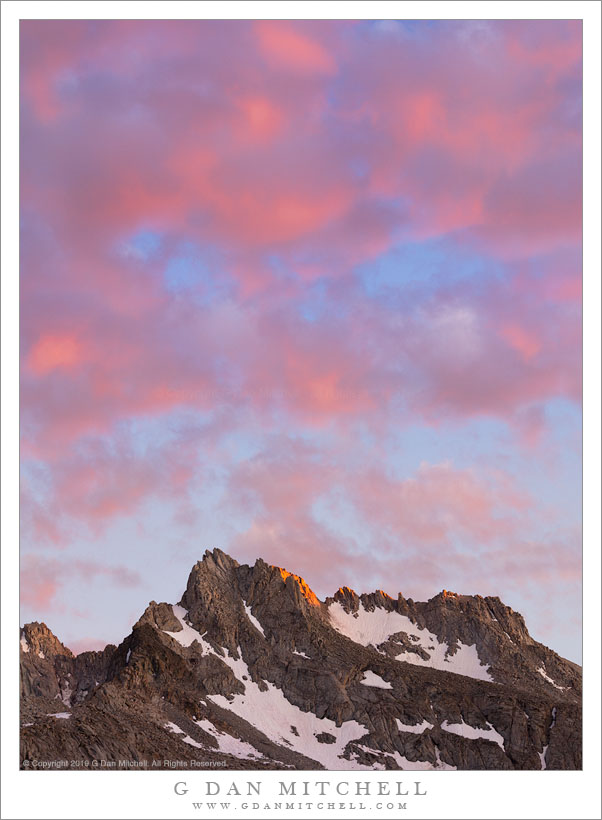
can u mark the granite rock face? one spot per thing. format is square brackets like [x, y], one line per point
[251, 671]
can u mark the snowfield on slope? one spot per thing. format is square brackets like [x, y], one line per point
[284, 723]
[373, 628]
[471, 733]
[272, 714]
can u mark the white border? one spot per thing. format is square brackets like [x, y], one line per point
[150, 795]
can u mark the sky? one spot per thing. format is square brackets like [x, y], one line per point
[305, 291]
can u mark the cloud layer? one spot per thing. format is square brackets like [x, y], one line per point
[253, 253]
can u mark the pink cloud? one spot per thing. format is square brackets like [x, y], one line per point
[103, 480]
[42, 578]
[144, 360]
[522, 340]
[87, 644]
[48, 47]
[440, 502]
[428, 510]
[440, 525]
[286, 46]
[51, 352]
[188, 152]
[263, 119]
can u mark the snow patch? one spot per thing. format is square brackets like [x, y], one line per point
[416, 729]
[253, 619]
[465, 661]
[410, 765]
[41, 654]
[364, 627]
[301, 654]
[542, 672]
[375, 766]
[440, 765]
[191, 742]
[228, 744]
[376, 627]
[542, 757]
[128, 656]
[63, 715]
[372, 679]
[182, 735]
[471, 733]
[24, 644]
[188, 635]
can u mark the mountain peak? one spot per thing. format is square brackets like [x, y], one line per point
[218, 558]
[297, 581]
[38, 639]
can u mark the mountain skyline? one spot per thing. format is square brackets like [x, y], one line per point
[251, 670]
[305, 290]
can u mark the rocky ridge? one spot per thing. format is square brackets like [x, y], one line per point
[251, 671]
